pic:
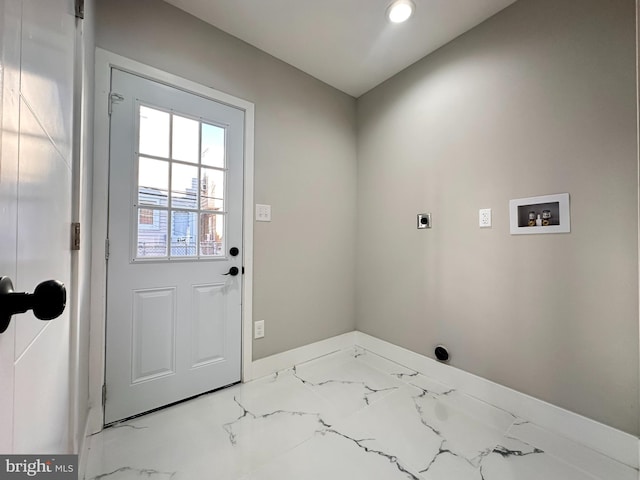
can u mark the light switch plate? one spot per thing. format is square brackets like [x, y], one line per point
[263, 213]
[485, 217]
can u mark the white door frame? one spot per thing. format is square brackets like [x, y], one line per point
[105, 61]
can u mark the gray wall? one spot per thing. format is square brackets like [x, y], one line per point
[539, 99]
[305, 165]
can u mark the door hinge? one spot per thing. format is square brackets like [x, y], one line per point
[80, 9]
[114, 98]
[75, 236]
[104, 394]
[106, 249]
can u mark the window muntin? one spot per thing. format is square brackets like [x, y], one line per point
[181, 185]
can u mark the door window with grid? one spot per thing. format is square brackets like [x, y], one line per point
[181, 176]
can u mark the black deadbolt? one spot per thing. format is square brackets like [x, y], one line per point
[424, 220]
[234, 251]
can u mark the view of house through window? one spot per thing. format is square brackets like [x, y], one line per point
[181, 181]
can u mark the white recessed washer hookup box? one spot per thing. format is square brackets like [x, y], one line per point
[544, 214]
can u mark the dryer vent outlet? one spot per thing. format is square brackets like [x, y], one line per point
[442, 354]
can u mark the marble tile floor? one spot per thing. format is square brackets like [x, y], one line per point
[349, 415]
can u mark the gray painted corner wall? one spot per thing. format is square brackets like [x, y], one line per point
[305, 165]
[638, 156]
[539, 99]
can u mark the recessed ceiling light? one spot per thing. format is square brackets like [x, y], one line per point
[400, 11]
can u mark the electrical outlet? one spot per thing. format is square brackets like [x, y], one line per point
[485, 217]
[263, 213]
[424, 220]
[258, 329]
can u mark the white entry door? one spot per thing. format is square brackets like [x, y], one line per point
[175, 246]
[37, 51]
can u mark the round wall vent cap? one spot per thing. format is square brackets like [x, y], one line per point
[442, 353]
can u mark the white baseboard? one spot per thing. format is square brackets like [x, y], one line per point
[95, 421]
[83, 449]
[281, 361]
[609, 441]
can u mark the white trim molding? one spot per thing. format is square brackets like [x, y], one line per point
[609, 441]
[105, 61]
[83, 451]
[282, 361]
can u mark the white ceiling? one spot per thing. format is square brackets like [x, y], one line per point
[348, 44]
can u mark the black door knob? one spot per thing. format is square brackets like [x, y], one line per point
[47, 301]
[233, 271]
